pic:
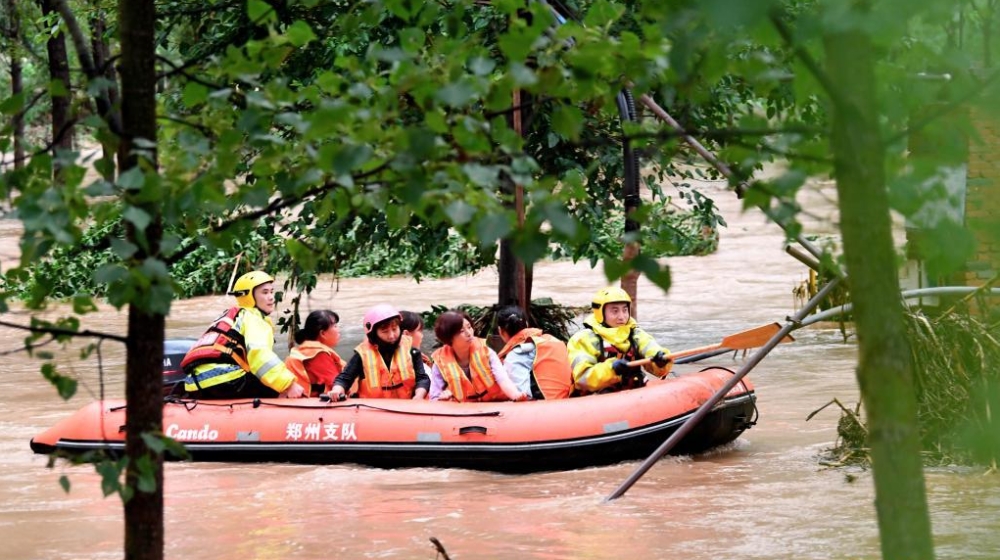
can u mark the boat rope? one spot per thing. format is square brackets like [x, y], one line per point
[191, 404]
[756, 413]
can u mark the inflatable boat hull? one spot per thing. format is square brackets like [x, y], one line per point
[505, 437]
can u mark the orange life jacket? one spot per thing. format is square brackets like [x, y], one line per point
[222, 343]
[550, 368]
[482, 386]
[396, 381]
[296, 363]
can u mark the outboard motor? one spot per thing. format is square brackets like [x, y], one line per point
[174, 350]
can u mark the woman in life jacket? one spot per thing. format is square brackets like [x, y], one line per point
[465, 368]
[313, 359]
[385, 365]
[413, 326]
[235, 357]
[600, 352]
[536, 362]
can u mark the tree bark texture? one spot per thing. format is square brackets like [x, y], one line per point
[11, 33]
[102, 56]
[143, 382]
[884, 369]
[62, 125]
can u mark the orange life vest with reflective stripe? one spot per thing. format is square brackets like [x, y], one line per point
[222, 343]
[296, 363]
[482, 386]
[396, 381]
[550, 368]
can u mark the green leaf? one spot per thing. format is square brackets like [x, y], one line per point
[258, 9]
[137, 216]
[154, 442]
[123, 249]
[456, 94]
[83, 304]
[146, 482]
[133, 179]
[65, 386]
[481, 175]
[64, 483]
[350, 157]
[493, 227]
[194, 94]
[111, 473]
[481, 65]
[12, 104]
[299, 33]
[568, 121]
[602, 13]
[460, 212]
[58, 89]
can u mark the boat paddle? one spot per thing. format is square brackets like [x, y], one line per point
[751, 338]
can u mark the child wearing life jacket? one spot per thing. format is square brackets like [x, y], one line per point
[413, 326]
[386, 364]
[313, 359]
[599, 353]
[536, 362]
[465, 368]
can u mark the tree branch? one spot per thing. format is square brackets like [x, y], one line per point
[56, 331]
[104, 107]
[807, 59]
[276, 205]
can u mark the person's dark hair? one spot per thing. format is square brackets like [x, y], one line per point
[412, 321]
[449, 324]
[317, 322]
[512, 319]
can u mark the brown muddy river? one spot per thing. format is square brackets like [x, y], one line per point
[764, 496]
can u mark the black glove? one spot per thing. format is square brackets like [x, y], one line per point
[622, 368]
[661, 359]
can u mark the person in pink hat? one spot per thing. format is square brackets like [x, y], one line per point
[386, 364]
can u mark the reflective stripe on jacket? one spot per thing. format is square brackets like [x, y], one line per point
[302, 353]
[482, 386]
[591, 353]
[550, 366]
[395, 381]
[258, 340]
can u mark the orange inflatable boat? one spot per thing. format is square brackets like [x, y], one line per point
[508, 437]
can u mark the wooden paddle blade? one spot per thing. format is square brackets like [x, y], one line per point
[750, 338]
[753, 338]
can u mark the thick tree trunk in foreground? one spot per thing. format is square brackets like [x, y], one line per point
[62, 126]
[884, 370]
[11, 34]
[143, 383]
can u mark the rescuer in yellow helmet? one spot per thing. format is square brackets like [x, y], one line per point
[235, 357]
[600, 352]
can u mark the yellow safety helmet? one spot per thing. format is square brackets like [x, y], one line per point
[244, 286]
[608, 295]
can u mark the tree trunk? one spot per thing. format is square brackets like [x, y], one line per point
[143, 382]
[11, 33]
[884, 372]
[62, 126]
[102, 56]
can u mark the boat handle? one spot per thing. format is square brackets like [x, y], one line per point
[472, 430]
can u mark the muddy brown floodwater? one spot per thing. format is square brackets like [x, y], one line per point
[763, 496]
